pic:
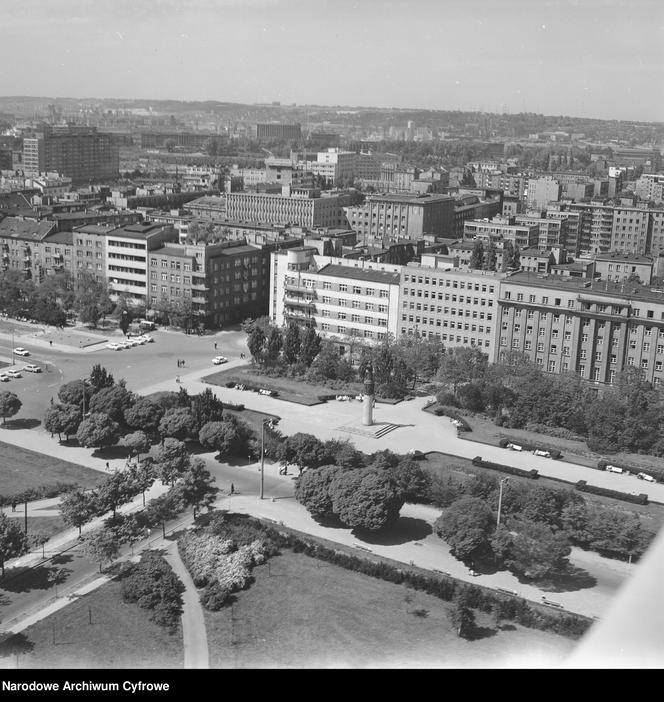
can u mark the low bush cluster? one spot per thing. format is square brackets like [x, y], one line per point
[153, 585]
[218, 563]
[641, 499]
[532, 474]
[452, 413]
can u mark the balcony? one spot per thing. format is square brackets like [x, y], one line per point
[294, 287]
[295, 300]
[297, 315]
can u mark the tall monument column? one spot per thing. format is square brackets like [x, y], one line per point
[368, 399]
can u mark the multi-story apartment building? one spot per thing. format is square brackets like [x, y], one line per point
[621, 267]
[393, 217]
[20, 245]
[594, 329]
[455, 306]
[226, 282]
[346, 300]
[304, 207]
[512, 184]
[542, 191]
[561, 212]
[336, 166]
[286, 172]
[552, 232]
[500, 228]
[631, 230]
[79, 153]
[650, 187]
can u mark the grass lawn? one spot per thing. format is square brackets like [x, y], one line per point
[21, 469]
[121, 636]
[652, 515]
[303, 613]
[289, 389]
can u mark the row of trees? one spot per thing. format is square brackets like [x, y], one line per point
[398, 365]
[626, 417]
[486, 258]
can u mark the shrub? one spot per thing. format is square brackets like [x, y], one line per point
[447, 398]
[503, 443]
[452, 413]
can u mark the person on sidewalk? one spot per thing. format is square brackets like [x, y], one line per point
[13, 505]
[232, 488]
[215, 345]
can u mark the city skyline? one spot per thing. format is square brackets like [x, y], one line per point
[590, 58]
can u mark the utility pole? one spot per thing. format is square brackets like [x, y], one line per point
[262, 455]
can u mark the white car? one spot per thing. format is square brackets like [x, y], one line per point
[13, 373]
[32, 368]
[645, 476]
[20, 351]
[147, 338]
[138, 340]
[218, 360]
[4, 378]
[114, 347]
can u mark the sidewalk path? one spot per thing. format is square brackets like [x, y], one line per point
[194, 634]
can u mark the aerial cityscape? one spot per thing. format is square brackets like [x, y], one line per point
[331, 336]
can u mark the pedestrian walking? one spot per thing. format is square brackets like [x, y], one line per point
[108, 467]
[232, 488]
[215, 345]
[50, 342]
[13, 505]
[177, 378]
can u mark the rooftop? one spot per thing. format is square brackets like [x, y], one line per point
[60, 238]
[414, 199]
[26, 229]
[604, 288]
[365, 274]
[627, 257]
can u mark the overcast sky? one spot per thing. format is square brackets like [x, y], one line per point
[588, 58]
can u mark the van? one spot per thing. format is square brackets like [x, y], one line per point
[146, 325]
[515, 447]
[645, 476]
[614, 469]
[539, 452]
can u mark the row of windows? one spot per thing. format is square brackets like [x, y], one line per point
[356, 318]
[342, 287]
[468, 300]
[87, 242]
[431, 321]
[351, 331]
[452, 338]
[449, 283]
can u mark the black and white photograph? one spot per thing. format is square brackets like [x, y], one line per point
[331, 338]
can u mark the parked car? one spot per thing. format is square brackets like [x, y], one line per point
[13, 373]
[32, 368]
[614, 469]
[148, 339]
[4, 378]
[218, 360]
[114, 347]
[515, 447]
[20, 351]
[645, 476]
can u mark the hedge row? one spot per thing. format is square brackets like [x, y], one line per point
[641, 499]
[40, 492]
[656, 473]
[505, 440]
[445, 411]
[442, 586]
[532, 474]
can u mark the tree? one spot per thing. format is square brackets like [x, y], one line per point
[171, 459]
[310, 346]
[303, 451]
[13, 540]
[98, 430]
[207, 407]
[292, 344]
[178, 423]
[491, 256]
[100, 378]
[78, 508]
[124, 322]
[312, 489]
[462, 364]
[273, 346]
[62, 419]
[508, 255]
[91, 298]
[116, 489]
[144, 415]
[137, 442]
[344, 453]
[477, 256]
[113, 401]
[75, 392]
[543, 505]
[196, 488]
[101, 546]
[516, 257]
[9, 405]
[256, 343]
[229, 437]
[466, 525]
[366, 499]
[142, 476]
[411, 480]
[162, 509]
[534, 550]
[462, 616]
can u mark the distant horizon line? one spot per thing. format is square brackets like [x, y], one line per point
[279, 104]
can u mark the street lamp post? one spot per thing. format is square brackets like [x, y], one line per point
[12, 346]
[262, 455]
[500, 500]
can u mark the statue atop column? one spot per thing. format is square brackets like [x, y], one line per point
[368, 399]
